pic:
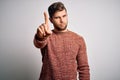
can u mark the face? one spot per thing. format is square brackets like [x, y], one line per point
[60, 20]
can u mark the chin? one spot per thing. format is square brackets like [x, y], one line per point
[61, 28]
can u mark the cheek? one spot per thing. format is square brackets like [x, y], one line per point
[56, 22]
[66, 20]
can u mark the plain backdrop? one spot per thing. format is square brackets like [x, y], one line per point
[98, 21]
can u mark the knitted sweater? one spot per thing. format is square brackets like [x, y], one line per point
[63, 55]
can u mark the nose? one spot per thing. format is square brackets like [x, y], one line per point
[61, 20]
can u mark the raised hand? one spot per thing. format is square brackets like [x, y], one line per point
[44, 30]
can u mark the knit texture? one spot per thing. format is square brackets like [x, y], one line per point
[63, 55]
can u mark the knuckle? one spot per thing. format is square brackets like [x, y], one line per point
[43, 24]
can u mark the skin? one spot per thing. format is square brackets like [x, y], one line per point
[59, 21]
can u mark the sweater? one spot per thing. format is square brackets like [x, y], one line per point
[63, 56]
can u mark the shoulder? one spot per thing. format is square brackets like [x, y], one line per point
[76, 35]
[79, 38]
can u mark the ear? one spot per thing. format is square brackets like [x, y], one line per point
[51, 20]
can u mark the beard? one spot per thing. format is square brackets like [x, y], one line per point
[60, 27]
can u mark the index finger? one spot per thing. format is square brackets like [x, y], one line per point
[46, 18]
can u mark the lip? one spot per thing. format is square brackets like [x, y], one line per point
[63, 24]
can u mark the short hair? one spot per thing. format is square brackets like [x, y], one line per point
[53, 8]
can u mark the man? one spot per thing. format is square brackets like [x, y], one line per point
[63, 51]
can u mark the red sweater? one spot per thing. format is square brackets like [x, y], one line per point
[63, 55]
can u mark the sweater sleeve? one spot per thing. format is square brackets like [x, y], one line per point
[39, 43]
[82, 61]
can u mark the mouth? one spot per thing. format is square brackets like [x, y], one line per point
[62, 25]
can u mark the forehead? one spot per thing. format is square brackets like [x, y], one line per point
[60, 13]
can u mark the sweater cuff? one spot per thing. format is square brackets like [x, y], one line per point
[40, 39]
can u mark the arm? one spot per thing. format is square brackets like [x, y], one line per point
[43, 31]
[82, 61]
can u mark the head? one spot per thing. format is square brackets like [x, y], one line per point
[58, 16]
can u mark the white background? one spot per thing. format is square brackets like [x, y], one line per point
[98, 21]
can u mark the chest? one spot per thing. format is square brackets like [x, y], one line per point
[64, 45]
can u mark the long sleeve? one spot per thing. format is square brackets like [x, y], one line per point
[39, 43]
[82, 61]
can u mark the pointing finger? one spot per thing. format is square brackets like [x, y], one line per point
[46, 18]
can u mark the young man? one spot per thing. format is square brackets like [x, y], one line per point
[63, 51]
